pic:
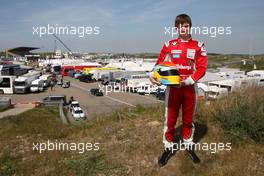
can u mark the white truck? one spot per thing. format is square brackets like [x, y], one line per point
[23, 83]
[7, 84]
[97, 74]
[118, 75]
[37, 85]
[134, 82]
[216, 92]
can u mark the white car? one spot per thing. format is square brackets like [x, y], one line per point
[78, 113]
[74, 104]
[37, 85]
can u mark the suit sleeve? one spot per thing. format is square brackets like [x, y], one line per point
[200, 64]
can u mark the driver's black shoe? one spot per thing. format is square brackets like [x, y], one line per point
[167, 154]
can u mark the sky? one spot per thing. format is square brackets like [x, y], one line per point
[132, 26]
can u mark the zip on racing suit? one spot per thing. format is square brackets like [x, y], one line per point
[191, 59]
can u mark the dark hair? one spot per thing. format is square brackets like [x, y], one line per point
[183, 18]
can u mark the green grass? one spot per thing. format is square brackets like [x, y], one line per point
[8, 164]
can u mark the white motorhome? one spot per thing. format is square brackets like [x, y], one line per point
[7, 84]
[230, 85]
[133, 82]
[238, 83]
[256, 73]
[37, 85]
[98, 74]
[23, 83]
[215, 92]
[118, 75]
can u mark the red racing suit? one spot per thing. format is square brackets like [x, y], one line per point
[191, 59]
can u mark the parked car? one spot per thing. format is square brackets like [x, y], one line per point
[66, 84]
[96, 92]
[77, 75]
[74, 104]
[160, 94]
[86, 78]
[5, 102]
[78, 113]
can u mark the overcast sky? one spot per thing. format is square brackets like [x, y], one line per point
[132, 26]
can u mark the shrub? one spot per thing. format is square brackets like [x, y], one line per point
[242, 114]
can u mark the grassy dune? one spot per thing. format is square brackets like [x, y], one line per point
[131, 141]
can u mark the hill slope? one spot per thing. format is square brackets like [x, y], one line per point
[130, 141]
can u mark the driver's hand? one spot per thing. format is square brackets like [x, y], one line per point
[187, 82]
[153, 80]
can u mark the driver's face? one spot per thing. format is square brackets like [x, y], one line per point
[183, 29]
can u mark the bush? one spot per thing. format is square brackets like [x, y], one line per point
[242, 114]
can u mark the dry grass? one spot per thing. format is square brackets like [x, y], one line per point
[131, 142]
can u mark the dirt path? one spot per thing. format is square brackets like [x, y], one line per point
[16, 110]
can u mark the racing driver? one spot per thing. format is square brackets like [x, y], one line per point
[190, 58]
